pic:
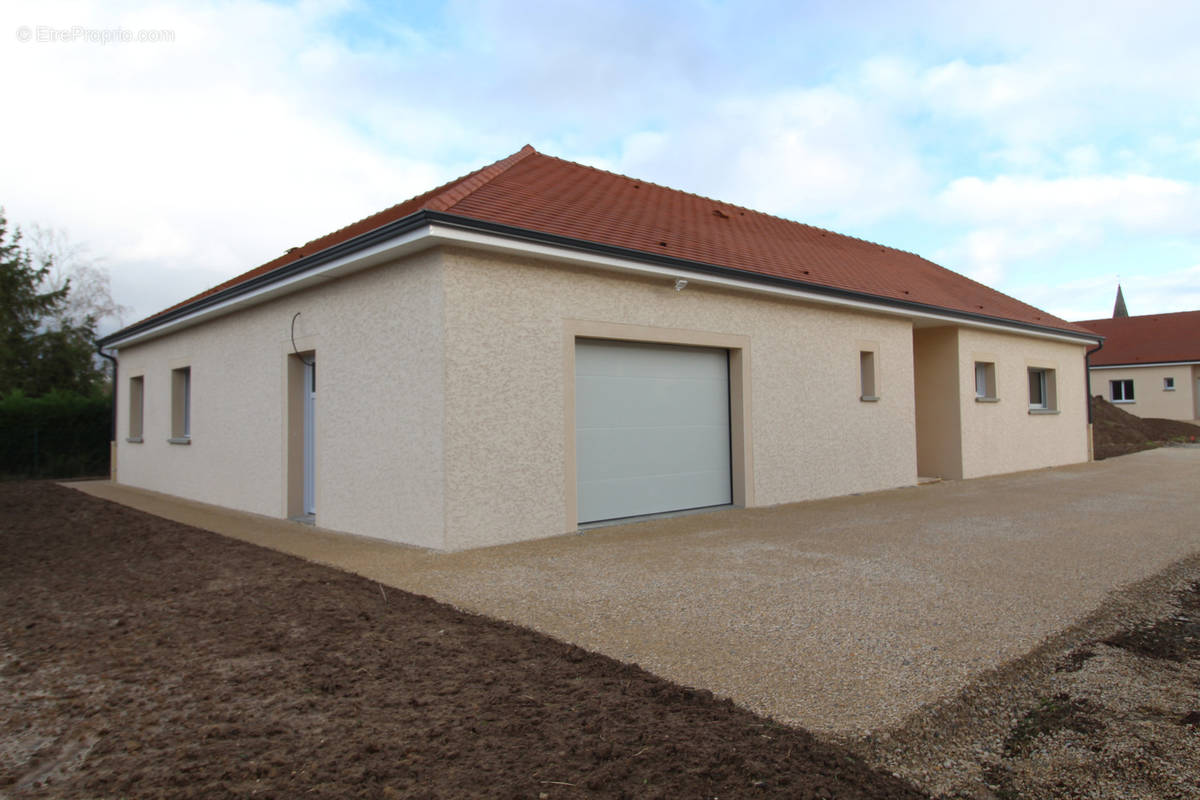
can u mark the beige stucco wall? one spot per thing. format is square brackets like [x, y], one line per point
[506, 388]
[1004, 436]
[938, 424]
[445, 385]
[377, 336]
[1150, 400]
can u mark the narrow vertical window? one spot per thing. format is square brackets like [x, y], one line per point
[181, 405]
[866, 372]
[985, 380]
[187, 403]
[1037, 388]
[137, 393]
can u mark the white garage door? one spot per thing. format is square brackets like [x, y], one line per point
[651, 428]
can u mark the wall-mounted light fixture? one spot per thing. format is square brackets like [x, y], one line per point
[679, 284]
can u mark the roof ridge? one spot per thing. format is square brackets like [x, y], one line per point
[727, 204]
[451, 194]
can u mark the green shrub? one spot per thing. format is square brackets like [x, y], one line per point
[58, 435]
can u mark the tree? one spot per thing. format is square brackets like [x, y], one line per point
[72, 264]
[42, 346]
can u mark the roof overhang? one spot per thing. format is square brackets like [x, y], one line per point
[427, 229]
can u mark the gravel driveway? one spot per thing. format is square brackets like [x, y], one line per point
[842, 615]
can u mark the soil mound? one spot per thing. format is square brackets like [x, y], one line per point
[1116, 432]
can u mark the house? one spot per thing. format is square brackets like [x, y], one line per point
[541, 345]
[1150, 364]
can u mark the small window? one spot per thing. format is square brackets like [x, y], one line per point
[985, 380]
[1121, 391]
[181, 405]
[866, 372]
[1168, 384]
[137, 385]
[1043, 395]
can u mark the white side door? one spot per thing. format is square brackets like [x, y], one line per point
[310, 436]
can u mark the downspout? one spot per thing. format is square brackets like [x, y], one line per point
[112, 438]
[1087, 364]
[1087, 374]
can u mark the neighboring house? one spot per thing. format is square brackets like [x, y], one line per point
[540, 345]
[1149, 365]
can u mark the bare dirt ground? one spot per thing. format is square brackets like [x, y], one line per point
[143, 658]
[1116, 432]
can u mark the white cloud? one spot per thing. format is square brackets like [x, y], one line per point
[1092, 298]
[986, 90]
[1013, 109]
[1084, 159]
[1136, 202]
[986, 254]
[1023, 94]
[1016, 219]
[265, 124]
[816, 154]
[203, 156]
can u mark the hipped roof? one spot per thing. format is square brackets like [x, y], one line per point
[533, 192]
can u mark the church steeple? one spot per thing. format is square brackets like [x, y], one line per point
[1119, 309]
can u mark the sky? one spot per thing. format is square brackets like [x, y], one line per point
[1046, 149]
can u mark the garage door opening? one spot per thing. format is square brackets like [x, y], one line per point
[652, 429]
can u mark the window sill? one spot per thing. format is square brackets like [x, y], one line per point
[1171, 389]
[180, 440]
[1040, 411]
[987, 399]
[133, 439]
[868, 398]
[1123, 402]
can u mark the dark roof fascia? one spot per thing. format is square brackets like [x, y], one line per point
[424, 217]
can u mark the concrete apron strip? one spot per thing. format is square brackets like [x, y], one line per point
[840, 615]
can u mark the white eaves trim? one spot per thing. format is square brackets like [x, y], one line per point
[1152, 364]
[435, 234]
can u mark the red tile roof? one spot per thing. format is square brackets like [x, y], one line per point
[536, 192]
[1148, 339]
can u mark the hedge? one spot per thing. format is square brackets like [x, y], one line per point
[57, 435]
